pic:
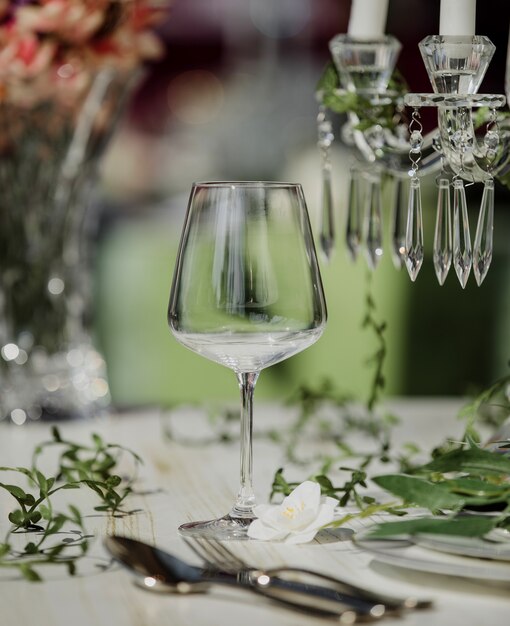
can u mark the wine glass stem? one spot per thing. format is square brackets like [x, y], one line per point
[246, 498]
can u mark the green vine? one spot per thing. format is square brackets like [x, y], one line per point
[77, 465]
[377, 360]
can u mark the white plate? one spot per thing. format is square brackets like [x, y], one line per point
[406, 554]
[465, 546]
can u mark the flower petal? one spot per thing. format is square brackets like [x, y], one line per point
[325, 516]
[308, 493]
[258, 530]
[297, 519]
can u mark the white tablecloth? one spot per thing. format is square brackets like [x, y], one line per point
[179, 483]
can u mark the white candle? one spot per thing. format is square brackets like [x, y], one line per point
[457, 17]
[368, 19]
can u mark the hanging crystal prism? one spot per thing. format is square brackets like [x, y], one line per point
[414, 230]
[327, 231]
[442, 251]
[353, 229]
[327, 228]
[482, 251]
[398, 226]
[462, 255]
[373, 223]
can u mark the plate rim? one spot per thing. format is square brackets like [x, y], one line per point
[473, 568]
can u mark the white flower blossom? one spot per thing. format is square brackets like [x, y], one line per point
[297, 519]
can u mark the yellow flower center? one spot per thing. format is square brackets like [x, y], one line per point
[291, 511]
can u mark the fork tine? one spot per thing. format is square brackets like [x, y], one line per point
[223, 553]
[212, 553]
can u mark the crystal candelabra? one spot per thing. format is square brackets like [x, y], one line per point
[471, 144]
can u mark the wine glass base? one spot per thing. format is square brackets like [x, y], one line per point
[225, 528]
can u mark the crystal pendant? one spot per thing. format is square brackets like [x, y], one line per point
[462, 255]
[482, 252]
[373, 223]
[414, 231]
[325, 138]
[442, 253]
[398, 228]
[327, 231]
[353, 230]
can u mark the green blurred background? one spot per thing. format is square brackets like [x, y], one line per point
[234, 100]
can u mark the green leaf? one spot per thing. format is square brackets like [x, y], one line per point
[113, 481]
[505, 180]
[71, 567]
[95, 486]
[15, 491]
[34, 517]
[102, 507]
[421, 492]
[4, 549]
[480, 117]
[469, 526]
[329, 78]
[42, 482]
[98, 441]
[55, 432]
[21, 470]
[17, 517]
[476, 487]
[31, 548]
[56, 524]
[76, 514]
[472, 460]
[29, 573]
[342, 103]
[45, 511]
[71, 454]
[325, 483]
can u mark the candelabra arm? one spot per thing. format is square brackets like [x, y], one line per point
[471, 157]
[389, 148]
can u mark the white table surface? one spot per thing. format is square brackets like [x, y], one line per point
[179, 483]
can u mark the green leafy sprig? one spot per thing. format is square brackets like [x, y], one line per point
[378, 359]
[337, 100]
[348, 491]
[465, 479]
[93, 465]
[78, 465]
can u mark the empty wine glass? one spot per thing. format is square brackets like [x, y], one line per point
[246, 293]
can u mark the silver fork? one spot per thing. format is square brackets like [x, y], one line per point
[319, 599]
[219, 556]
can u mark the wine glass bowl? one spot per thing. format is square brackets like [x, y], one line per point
[246, 294]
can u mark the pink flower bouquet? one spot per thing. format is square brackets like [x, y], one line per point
[57, 45]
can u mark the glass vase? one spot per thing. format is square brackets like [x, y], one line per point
[50, 145]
